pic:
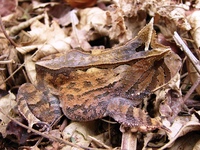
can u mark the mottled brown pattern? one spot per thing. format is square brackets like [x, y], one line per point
[113, 83]
[118, 93]
[36, 105]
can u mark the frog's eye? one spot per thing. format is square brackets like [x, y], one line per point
[162, 102]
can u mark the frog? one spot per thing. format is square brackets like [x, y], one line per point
[113, 82]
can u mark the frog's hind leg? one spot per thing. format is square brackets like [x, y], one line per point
[120, 109]
[124, 112]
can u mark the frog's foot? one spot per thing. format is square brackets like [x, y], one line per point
[124, 112]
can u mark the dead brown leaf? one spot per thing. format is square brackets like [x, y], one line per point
[7, 7]
[193, 74]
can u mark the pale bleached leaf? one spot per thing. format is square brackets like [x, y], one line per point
[194, 20]
[47, 39]
[7, 103]
[78, 133]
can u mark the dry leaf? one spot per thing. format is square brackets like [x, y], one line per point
[177, 14]
[7, 103]
[190, 126]
[78, 133]
[116, 21]
[93, 21]
[30, 68]
[7, 7]
[48, 40]
[197, 145]
[17, 78]
[78, 36]
[130, 7]
[180, 127]
[81, 3]
[186, 142]
[2, 79]
[4, 51]
[193, 74]
[197, 4]
[194, 20]
[18, 134]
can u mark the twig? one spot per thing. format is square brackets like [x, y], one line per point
[48, 136]
[6, 62]
[6, 35]
[12, 74]
[14, 30]
[108, 121]
[195, 62]
[99, 142]
[129, 140]
[51, 125]
[191, 90]
[2, 57]
[187, 51]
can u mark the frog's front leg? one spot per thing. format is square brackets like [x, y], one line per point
[38, 107]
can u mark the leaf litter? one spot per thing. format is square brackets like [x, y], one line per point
[49, 27]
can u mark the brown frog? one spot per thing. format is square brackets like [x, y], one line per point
[113, 82]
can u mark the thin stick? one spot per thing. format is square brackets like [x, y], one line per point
[14, 30]
[191, 90]
[51, 125]
[99, 142]
[48, 136]
[3, 56]
[187, 51]
[195, 62]
[12, 74]
[6, 62]
[129, 140]
[6, 35]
